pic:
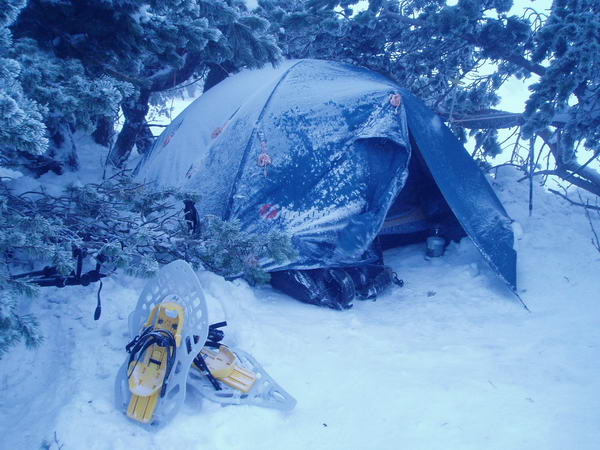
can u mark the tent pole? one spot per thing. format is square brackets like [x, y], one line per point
[227, 214]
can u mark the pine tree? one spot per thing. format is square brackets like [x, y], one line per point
[438, 52]
[22, 131]
[121, 225]
[71, 65]
[150, 46]
[22, 135]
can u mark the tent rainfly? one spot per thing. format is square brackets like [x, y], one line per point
[333, 155]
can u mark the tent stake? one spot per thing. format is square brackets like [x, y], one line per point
[522, 302]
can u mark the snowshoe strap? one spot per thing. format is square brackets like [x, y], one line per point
[199, 361]
[215, 336]
[148, 337]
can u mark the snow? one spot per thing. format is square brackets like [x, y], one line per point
[91, 159]
[9, 173]
[450, 361]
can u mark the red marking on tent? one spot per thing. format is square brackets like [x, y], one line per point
[268, 211]
[216, 132]
[264, 160]
[168, 139]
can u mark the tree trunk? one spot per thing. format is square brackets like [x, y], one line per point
[145, 139]
[104, 131]
[135, 111]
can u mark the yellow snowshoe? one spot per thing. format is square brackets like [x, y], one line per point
[167, 329]
[152, 357]
[225, 366]
[229, 376]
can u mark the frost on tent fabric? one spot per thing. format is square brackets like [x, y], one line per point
[339, 158]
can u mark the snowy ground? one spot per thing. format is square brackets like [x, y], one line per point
[450, 361]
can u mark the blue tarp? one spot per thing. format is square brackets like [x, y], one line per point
[317, 150]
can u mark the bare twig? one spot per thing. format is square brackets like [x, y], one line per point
[595, 238]
[583, 205]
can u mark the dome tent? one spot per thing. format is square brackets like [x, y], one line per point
[326, 152]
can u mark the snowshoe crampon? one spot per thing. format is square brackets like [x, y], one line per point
[234, 377]
[171, 310]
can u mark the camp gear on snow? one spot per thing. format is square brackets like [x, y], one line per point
[435, 244]
[332, 288]
[215, 335]
[244, 380]
[372, 280]
[230, 376]
[98, 310]
[169, 335]
[339, 287]
[300, 285]
[152, 355]
[50, 276]
[222, 364]
[201, 365]
[192, 218]
[335, 288]
[171, 310]
[348, 150]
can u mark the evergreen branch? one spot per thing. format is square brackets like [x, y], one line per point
[168, 79]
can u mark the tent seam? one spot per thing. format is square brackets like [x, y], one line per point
[227, 213]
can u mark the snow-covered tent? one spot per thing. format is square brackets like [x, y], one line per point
[328, 153]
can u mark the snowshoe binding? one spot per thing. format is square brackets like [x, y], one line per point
[234, 377]
[223, 366]
[167, 328]
[151, 359]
